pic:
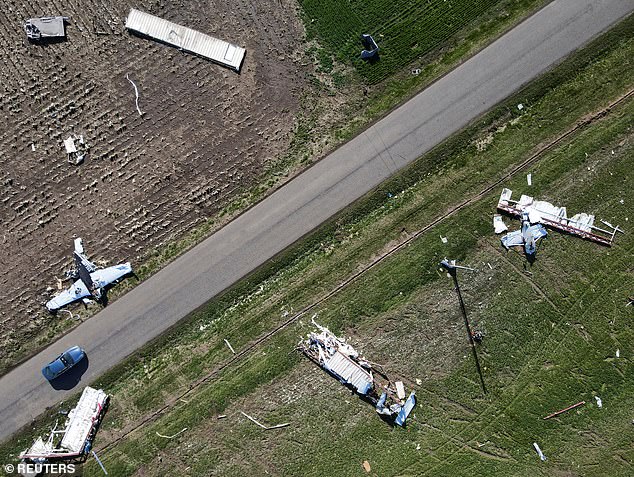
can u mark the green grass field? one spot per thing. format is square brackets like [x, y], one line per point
[552, 335]
[404, 30]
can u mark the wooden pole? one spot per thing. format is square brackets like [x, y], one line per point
[581, 403]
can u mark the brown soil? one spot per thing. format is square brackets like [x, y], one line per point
[206, 134]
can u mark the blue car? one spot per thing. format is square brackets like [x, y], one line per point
[63, 362]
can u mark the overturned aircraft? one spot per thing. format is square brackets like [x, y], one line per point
[526, 237]
[342, 361]
[90, 280]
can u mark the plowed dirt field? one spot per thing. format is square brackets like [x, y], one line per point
[206, 134]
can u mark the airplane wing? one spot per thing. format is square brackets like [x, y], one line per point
[76, 292]
[513, 239]
[106, 276]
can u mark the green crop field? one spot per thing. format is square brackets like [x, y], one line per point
[403, 29]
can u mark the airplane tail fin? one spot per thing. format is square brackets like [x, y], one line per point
[84, 272]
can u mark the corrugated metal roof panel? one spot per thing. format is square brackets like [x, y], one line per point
[350, 371]
[185, 38]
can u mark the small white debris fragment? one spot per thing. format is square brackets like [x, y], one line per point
[618, 353]
[612, 151]
[417, 446]
[400, 389]
[489, 265]
[230, 347]
[172, 436]
[69, 144]
[33, 147]
[136, 94]
[266, 428]
[539, 451]
[599, 401]
[621, 201]
[416, 71]
[443, 239]
[529, 179]
[498, 224]
[418, 381]
[520, 106]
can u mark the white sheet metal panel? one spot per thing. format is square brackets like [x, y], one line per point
[185, 38]
[83, 418]
[350, 371]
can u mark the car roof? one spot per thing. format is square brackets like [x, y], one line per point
[56, 366]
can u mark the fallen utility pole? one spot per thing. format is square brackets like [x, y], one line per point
[581, 403]
[452, 269]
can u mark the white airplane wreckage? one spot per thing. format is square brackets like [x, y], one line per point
[74, 441]
[343, 362]
[90, 281]
[536, 214]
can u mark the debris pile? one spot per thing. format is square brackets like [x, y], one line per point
[75, 440]
[343, 362]
[542, 212]
[370, 47]
[43, 28]
[76, 148]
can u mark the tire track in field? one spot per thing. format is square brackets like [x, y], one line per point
[246, 351]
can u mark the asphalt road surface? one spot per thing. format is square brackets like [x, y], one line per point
[308, 200]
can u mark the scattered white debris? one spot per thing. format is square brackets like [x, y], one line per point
[416, 71]
[417, 446]
[418, 381]
[520, 106]
[618, 353]
[172, 436]
[499, 224]
[75, 154]
[545, 213]
[69, 144]
[400, 389]
[599, 401]
[529, 179]
[266, 428]
[230, 347]
[33, 147]
[136, 92]
[489, 265]
[443, 239]
[539, 451]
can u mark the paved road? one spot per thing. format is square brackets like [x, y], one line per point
[311, 198]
